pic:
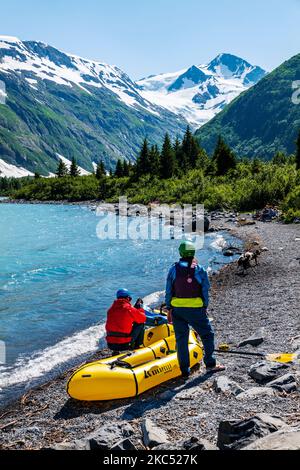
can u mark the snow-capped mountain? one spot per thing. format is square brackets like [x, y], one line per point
[62, 104]
[202, 91]
[39, 61]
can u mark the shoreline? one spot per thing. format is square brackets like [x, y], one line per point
[47, 411]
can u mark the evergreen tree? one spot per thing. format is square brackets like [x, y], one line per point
[154, 157]
[280, 158]
[143, 164]
[256, 166]
[37, 175]
[119, 169]
[298, 153]
[74, 170]
[126, 168]
[168, 159]
[223, 157]
[100, 170]
[62, 169]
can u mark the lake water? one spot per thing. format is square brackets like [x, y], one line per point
[57, 280]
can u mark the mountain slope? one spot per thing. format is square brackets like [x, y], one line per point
[61, 104]
[201, 92]
[261, 121]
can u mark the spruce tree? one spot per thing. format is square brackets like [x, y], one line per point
[126, 168]
[223, 157]
[62, 169]
[154, 157]
[74, 170]
[168, 159]
[119, 169]
[143, 164]
[100, 170]
[298, 153]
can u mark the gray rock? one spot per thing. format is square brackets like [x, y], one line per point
[66, 446]
[287, 383]
[235, 434]
[264, 372]
[296, 344]
[153, 436]
[223, 384]
[194, 444]
[168, 395]
[124, 444]
[188, 394]
[256, 392]
[255, 340]
[107, 436]
[287, 439]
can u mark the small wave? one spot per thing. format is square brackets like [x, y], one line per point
[154, 299]
[28, 369]
[219, 243]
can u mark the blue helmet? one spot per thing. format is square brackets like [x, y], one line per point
[123, 294]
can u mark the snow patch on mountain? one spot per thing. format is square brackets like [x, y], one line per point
[68, 164]
[12, 171]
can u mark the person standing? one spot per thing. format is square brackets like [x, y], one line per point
[187, 300]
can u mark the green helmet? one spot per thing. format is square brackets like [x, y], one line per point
[187, 249]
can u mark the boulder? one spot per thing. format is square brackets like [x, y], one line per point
[235, 434]
[256, 392]
[255, 340]
[107, 436]
[193, 444]
[224, 384]
[264, 372]
[124, 444]
[287, 383]
[287, 439]
[153, 436]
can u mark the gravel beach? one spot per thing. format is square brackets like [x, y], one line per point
[267, 298]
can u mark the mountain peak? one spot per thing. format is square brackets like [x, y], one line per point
[231, 66]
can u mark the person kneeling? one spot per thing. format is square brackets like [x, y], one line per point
[125, 324]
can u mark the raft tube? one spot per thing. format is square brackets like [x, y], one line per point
[129, 375]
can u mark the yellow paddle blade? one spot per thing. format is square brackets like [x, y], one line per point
[282, 358]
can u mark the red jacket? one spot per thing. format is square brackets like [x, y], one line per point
[120, 319]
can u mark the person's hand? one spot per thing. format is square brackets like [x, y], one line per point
[170, 311]
[139, 303]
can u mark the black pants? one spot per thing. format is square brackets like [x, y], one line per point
[136, 341]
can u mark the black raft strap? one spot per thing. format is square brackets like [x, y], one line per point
[117, 334]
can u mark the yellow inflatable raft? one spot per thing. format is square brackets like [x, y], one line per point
[130, 374]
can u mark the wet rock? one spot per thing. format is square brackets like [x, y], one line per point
[256, 392]
[264, 372]
[194, 444]
[224, 384]
[153, 436]
[287, 383]
[124, 444]
[228, 253]
[255, 340]
[235, 434]
[287, 439]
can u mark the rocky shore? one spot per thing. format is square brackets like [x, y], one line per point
[254, 404]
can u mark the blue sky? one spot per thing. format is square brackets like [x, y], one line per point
[146, 37]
